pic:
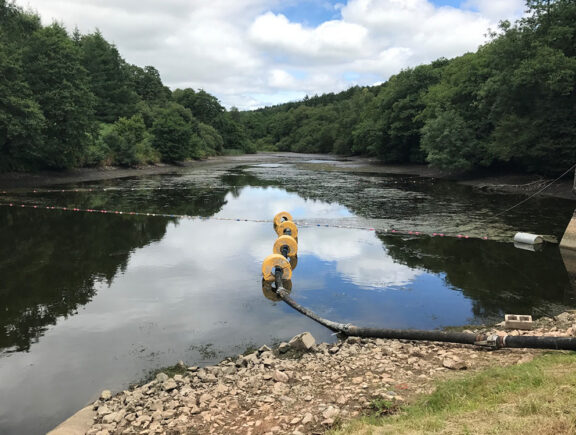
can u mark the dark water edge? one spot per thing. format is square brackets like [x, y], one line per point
[95, 301]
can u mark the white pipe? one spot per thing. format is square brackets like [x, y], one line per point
[527, 238]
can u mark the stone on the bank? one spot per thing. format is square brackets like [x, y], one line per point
[283, 347]
[106, 395]
[454, 363]
[330, 412]
[304, 341]
[161, 377]
[279, 376]
[307, 418]
[103, 410]
[264, 349]
[110, 418]
[169, 385]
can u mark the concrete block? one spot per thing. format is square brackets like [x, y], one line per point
[569, 239]
[517, 321]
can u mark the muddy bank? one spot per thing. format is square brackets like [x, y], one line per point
[299, 387]
[508, 183]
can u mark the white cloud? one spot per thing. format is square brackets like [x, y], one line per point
[247, 52]
[332, 41]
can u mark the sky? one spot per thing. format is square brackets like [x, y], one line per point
[254, 53]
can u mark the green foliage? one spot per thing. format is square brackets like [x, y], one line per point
[130, 142]
[205, 107]
[450, 142]
[109, 78]
[71, 100]
[21, 120]
[60, 86]
[174, 129]
[148, 84]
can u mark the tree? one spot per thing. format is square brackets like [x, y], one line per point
[205, 107]
[450, 143]
[130, 142]
[60, 87]
[21, 120]
[148, 84]
[173, 130]
[108, 78]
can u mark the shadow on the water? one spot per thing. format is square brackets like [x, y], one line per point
[497, 277]
[50, 261]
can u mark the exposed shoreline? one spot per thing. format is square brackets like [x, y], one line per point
[300, 387]
[506, 183]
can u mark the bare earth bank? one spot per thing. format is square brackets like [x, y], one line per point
[510, 183]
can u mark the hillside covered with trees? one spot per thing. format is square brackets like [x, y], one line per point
[70, 100]
[511, 104]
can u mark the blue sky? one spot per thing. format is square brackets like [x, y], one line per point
[251, 53]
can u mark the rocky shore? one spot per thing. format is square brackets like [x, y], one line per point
[298, 388]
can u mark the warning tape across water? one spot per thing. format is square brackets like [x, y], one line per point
[299, 222]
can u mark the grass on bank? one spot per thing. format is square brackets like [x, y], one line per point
[536, 397]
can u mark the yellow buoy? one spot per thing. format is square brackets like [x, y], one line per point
[270, 264]
[293, 262]
[268, 289]
[287, 241]
[283, 216]
[287, 225]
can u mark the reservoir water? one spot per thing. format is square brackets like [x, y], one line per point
[93, 301]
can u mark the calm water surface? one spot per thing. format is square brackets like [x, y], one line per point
[93, 301]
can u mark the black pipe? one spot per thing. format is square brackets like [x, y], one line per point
[490, 341]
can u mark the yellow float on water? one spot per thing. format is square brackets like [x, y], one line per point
[287, 241]
[283, 216]
[285, 226]
[270, 264]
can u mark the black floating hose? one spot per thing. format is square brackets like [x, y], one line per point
[491, 341]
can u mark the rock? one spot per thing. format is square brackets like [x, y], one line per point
[169, 385]
[251, 358]
[454, 363]
[205, 398]
[161, 377]
[304, 341]
[229, 370]
[110, 418]
[103, 410]
[295, 420]
[181, 364]
[353, 340]
[106, 395]
[331, 412]
[307, 418]
[283, 347]
[157, 405]
[334, 349]
[279, 376]
[264, 349]
[193, 368]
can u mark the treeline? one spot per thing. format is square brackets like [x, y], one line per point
[70, 100]
[510, 104]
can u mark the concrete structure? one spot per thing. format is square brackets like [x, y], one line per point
[569, 239]
[78, 424]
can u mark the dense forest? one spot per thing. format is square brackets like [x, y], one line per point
[511, 104]
[70, 100]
